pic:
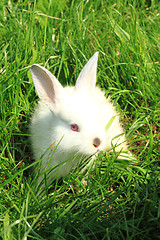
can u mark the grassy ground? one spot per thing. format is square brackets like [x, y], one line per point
[120, 201]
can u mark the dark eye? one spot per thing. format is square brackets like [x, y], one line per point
[74, 127]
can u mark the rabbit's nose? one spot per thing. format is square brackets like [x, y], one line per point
[96, 142]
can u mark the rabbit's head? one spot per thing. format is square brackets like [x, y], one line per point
[79, 113]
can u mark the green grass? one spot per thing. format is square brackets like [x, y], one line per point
[121, 200]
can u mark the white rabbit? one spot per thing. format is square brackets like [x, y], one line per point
[70, 123]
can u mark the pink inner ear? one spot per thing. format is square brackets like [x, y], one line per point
[44, 85]
[48, 87]
[74, 127]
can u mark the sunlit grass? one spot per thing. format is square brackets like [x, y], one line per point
[120, 200]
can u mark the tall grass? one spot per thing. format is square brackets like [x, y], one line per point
[120, 200]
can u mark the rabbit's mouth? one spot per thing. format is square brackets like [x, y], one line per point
[97, 151]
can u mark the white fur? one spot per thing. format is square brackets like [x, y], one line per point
[84, 105]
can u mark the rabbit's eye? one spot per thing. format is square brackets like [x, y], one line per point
[75, 128]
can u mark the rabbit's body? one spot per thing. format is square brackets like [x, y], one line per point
[69, 123]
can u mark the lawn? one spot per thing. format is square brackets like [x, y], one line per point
[121, 199]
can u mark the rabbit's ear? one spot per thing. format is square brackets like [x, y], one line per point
[86, 80]
[47, 86]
